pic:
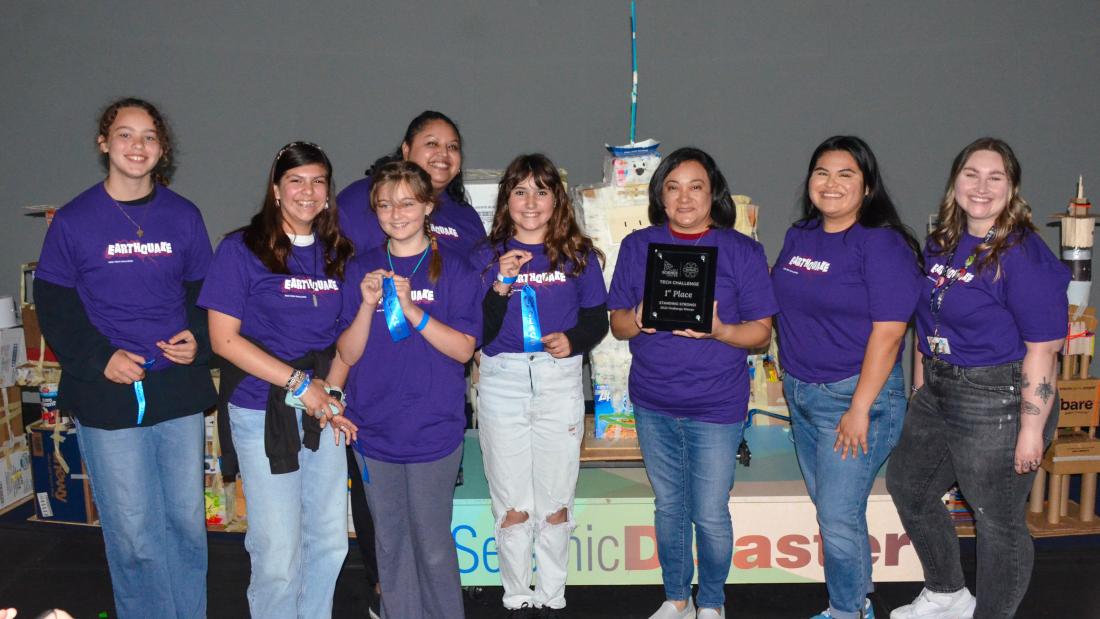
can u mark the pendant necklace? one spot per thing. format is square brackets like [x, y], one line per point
[302, 268]
[145, 202]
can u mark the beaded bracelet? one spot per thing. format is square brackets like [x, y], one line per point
[295, 380]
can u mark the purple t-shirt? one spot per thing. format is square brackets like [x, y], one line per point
[558, 294]
[131, 287]
[831, 286]
[986, 320]
[407, 397]
[455, 224]
[704, 379]
[276, 309]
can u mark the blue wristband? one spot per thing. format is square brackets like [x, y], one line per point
[423, 322]
[301, 390]
[507, 280]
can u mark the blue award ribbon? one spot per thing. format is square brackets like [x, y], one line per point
[139, 392]
[391, 307]
[532, 332]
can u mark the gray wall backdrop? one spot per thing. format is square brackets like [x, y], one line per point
[758, 84]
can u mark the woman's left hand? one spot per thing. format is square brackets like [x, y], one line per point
[716, 325]
[180, 348]
[412, 311]
[557, 345]
[1029, 451]
[342, 426]
[851, 433]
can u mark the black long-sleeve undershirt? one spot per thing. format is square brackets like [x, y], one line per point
[84, 353]
[592, 323]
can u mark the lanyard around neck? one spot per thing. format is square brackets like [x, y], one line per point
[947, 279]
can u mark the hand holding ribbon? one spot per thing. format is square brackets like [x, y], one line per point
[124, 367]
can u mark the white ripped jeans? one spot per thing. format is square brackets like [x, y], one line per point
[531, 422]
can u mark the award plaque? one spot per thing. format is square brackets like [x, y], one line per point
[679, 287]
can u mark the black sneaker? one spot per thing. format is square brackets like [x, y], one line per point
[551, 613]
[374, 604]
[523, 612]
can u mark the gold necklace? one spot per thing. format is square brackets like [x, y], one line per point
[140, 230]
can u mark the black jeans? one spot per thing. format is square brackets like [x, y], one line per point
[962, 427]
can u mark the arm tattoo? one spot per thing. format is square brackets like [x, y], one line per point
[1045, 390]
[1028, 408]
[1025, 383]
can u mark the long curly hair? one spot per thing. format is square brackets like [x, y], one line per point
[264, 234]
[166, 165]
[420, 184]
[1011, 226]
[564, 242]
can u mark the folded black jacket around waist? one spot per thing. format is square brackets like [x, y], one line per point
[281, 441]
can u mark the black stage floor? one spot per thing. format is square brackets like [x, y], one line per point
[45, 565]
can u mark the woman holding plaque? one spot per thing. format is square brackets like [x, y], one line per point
[121, 267]
[690, 387]
[988, 336]
[847, 281]
[273, 295]
[412, 323]
[545, 307]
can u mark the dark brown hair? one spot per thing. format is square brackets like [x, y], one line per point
[456, 189]
[264, 235]
[166, 165]
[564, 240]
[420, 184]
[1011, 226]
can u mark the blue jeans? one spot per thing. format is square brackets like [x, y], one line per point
[297, 522]
[840, 488]
[147, 483]
[690, 465]
[962, 427]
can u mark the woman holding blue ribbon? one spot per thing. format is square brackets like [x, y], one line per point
[274, 295]
[989, 329]
[545, 308]
[115, 290]
[412, 323]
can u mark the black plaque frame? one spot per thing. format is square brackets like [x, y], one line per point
[679, 287]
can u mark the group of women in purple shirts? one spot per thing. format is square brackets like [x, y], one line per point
[345, 325]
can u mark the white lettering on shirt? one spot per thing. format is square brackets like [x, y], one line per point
[809, 264]
[134, 248]
[444, 231]
[540, 278]
[300, 284]
[938, 269]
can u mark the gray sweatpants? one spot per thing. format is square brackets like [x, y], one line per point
[417, 562]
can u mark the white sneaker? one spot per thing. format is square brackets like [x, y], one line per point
[668, 611]
[711, 613]
[932, 605]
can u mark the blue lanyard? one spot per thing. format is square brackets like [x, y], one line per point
[391, 305]
[939, 289]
